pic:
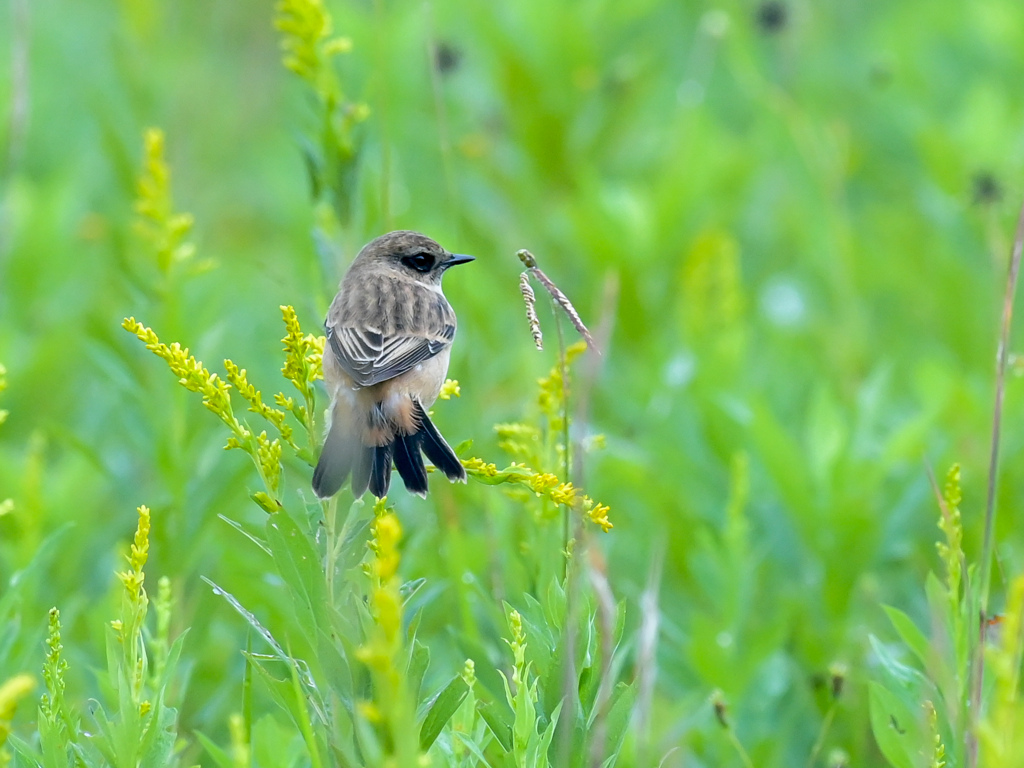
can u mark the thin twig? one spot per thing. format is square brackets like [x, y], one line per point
[987, 551]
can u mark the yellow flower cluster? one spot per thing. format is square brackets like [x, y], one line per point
[305, 27]
[192, 375]
[518, 646]
[951, 551]
[53, 669]
[564, 493]
[480, 467]
[268, 454]
[304, 355]
[385, 599]
[249, 393]
[134, 577]
[542, 484]
[158, 223]
[450, 389]
[387, 533]
[597, 513]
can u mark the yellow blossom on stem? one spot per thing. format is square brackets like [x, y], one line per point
[192, 375]
[158, 223]
[268, 454]
[450, 389]
[479, 466]
[134, 577]
[564, 494]
[542, 482]
[597, 513]
[237, 378]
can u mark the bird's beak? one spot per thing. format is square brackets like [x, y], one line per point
[458, 258]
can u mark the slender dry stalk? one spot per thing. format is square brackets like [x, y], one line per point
[988, 545]
[530, 261]
[530, 299]
[606, 617]
[573, 523]
[646, 670]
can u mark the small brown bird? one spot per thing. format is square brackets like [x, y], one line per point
[389, 337]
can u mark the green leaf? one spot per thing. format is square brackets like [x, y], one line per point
[913, 637]
[299, 565]
[247, 533]
[897, 728]
[498, 719]
[620, 713]
[419, 660]
[220, 757]
[441, 709]
[899, 672]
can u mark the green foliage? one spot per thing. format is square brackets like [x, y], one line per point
[786, 226]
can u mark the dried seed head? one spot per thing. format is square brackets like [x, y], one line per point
[531, 309]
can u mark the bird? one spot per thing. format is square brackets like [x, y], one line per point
[389, 336]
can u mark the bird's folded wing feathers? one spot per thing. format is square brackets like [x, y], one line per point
[370, 356]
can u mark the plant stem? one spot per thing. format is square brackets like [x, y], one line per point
[988, 546]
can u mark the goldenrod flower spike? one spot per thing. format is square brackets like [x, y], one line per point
[158, 223]
[303, 353]
[305, 27]
[192, 375]
[249, 393]
[134, 578]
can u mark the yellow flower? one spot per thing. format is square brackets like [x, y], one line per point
[268, 453]
[480, 466]
[564, 494]
[387, 533]
[134, 577]
[251, 395]
[192, 375]
[598, 513]
[450, 389]
[542, 482]
[305, 27]
[158, 223]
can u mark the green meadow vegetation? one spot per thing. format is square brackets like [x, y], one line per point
[770, 514]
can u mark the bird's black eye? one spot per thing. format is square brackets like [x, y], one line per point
[421, 262]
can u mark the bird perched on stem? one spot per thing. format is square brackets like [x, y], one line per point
[389, 337]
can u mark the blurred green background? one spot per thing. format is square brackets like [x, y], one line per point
[795, 218]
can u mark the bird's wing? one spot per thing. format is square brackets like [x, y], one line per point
[370, 355]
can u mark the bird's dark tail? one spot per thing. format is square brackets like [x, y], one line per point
[437, 450]
[370, 466]
[409, 463]
[407, 452]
